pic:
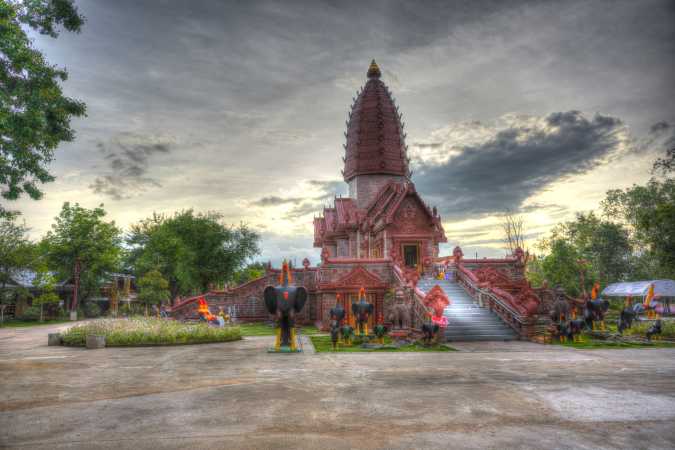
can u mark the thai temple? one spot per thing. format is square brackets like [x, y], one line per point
[384, 238]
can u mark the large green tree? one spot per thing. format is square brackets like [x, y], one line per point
[248, 273]
[16, 252]
[34, 114]
[82, 246]
[599, 248]
[191, 250]
[153, 289]
[648, 214]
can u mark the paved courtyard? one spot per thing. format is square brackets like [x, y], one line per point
[235, 395]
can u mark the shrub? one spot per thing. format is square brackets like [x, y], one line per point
[30, 313]
[640, 328]
[149, 331]
[91, 309]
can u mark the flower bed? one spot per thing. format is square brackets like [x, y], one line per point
[147, 331]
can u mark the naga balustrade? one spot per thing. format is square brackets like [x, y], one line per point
[419, 309]
[497, 300]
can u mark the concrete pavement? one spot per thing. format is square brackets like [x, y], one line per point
[236, 395]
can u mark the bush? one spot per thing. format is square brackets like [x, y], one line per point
[91, 309]
[31, 313]
[131, 309]
[640, 328]
[149, 331]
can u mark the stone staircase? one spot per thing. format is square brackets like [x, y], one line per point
[466, 320]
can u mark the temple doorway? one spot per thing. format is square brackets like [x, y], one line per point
[411, 255]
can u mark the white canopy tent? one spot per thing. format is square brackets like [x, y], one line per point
[662, 288]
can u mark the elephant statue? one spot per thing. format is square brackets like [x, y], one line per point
[284, 302]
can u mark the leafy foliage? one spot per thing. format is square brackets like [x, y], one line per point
[600, 248]
[191, 251]
[16, 252]
[250, 272]
[148, 331]
[648, 214]
[44, 282]
[91, 310]
[80, 237]
[153, 289]
[34, 114]
[634, 240]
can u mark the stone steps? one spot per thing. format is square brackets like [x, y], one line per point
[466, 320]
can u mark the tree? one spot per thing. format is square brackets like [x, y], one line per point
[648, 213]
[153, 289]
[82, 246]
[250, 272]
[44, 282]
[561, 266]
[512, 227]
[191, 251]
[665, 165]
[600, 249]
[34, 114]
[16, 252]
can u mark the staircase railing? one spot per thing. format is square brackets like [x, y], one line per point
[491, 298]
[419, 310]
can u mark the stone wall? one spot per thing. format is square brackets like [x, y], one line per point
[247, 302]
[363, 188]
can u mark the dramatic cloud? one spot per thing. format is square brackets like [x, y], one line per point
[275, 201]
[128, 158]
[317, 194]
[499, 166]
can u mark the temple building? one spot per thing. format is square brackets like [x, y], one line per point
[384, 238]
[384, 219]
[383, 216]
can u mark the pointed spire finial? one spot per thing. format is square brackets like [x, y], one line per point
[374, 70]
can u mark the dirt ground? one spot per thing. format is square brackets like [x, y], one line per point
[236, 395]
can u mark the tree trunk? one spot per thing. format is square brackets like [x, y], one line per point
[41, 315]
[76, 284]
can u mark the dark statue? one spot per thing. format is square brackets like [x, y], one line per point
[628, 315]
[347, 334]
[380, 331]
[655, 329]
[429, 331]
[337, 316]
[362, 311]
[334, 333]
[284, 302]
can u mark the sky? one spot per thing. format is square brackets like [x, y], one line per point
[537, 108]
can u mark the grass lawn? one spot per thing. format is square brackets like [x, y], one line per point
[323, 344]
[264, 329]
[588, 343]
[30, 323]
[148, 331]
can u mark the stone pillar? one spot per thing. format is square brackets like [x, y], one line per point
[358, 244]
[386, 245]
[327, 303]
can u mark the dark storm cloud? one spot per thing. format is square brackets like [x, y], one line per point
[305, 205]
[659, 127]
[520, 161]
[129, 159]
[273, 200]
[303, 210]
[330, 188]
